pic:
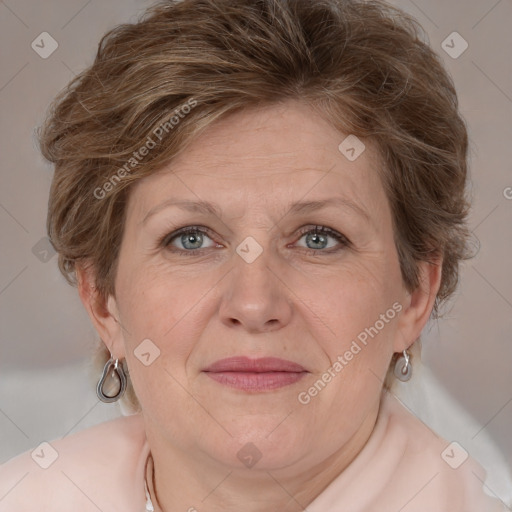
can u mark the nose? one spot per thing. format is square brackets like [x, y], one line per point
[255, 297]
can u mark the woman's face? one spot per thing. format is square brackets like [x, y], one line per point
[253, 280]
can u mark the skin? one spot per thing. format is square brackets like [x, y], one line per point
[296, 301]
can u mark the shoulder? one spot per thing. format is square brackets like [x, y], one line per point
[432, 470]
[79, 472]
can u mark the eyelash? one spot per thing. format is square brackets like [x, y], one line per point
[165, 241]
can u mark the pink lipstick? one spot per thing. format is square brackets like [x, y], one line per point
[261, 374]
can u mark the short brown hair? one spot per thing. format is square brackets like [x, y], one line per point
[363, 65]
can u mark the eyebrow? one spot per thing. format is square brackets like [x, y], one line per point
[303, 207]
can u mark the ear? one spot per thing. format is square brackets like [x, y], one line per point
[418, 305]
[103, 313]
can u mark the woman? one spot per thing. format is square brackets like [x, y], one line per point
[261, 204]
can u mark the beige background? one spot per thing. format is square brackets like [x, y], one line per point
[46, 337]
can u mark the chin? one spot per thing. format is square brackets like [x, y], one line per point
[264, 445]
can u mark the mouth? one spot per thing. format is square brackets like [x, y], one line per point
[263, 374]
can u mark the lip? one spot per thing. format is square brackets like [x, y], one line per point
[262, 374]
[260, 365]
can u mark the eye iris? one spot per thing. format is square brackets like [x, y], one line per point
[316, 237]
[189, 237]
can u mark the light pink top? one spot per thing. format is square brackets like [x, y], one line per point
[403, 467]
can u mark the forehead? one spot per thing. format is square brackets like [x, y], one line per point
[270, 155]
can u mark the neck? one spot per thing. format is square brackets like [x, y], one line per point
[196, 485]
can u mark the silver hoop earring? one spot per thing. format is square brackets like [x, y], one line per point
[403, 368]
[112, 384]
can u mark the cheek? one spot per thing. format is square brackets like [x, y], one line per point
[160, 308]
[155, 299]
[356, 295]
[359, 316]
